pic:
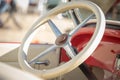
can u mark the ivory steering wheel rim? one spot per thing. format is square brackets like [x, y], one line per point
[80, 57]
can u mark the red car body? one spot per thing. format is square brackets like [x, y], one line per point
[105, 55]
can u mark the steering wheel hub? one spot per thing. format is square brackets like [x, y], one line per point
[61, 39]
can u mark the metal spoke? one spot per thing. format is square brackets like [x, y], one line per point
[43, 53]
[54, 28]
[74, 19]
[78, 14]
[69, 50]
[80, 25]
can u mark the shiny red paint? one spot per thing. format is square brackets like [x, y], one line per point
[105, 55]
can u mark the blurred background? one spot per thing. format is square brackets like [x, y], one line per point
[17, 16]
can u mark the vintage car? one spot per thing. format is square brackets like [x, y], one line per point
[88, 51]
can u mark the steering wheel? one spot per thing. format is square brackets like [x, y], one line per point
[63, 40]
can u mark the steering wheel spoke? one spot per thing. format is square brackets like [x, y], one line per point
[69, 50]
[45, 52]
[80, 25]
[54, 28]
